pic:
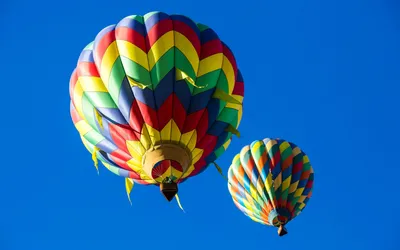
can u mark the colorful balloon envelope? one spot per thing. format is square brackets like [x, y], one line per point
[271, 182]
[156, 98]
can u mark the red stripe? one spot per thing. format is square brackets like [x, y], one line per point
[102, 46]
[297, 167]
[189, 33]
[198, 166]
[202, 126]
[191, 121]
[210, 48]
[179, 113]
[231, 58]
[120, 163]
[118, 153]
[208, 144]
[164, 112]
[120, 135]
[149, 115]
[87, 69]
[305, 175]
[275, 158]
[130, 35]
[157, 31]
[310, 183]
[135, 117]
[238, 89]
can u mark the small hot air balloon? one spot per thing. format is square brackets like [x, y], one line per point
[271, 182]
[156, 98]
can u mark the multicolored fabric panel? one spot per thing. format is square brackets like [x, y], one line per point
[271, 181]
[156, 79]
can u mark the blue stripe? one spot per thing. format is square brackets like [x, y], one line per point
[106, 146]
[239, 77]
[125, 99]
[101, 34]
[217, 128]
[86, 56]
[152, 18]
[182, 91]
[164, 88]
[208, 35]
[200, 101]
[133, 24]
[113, 115]
[187, 21]
[145, 96]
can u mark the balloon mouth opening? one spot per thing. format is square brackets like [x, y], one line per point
[163, 153]
[169, 190]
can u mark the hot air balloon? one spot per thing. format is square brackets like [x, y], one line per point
[156, 99]
[271, 181]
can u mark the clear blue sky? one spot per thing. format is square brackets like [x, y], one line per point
[322, 74]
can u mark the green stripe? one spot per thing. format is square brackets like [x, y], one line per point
[183, 64]
[115, 81]
[137, 18]
[202, 27]
[88, 112]
[162, 67]
[94, 137]
[229, 116]
[89, 46]
[136, 71]
[101, 99]
[286, 153]
[209, 80]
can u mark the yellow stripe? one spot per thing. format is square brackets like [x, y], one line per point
[226, 144]
[187, 48]
[286, 183]
[153, 133]
[188, 171]
[90, 83]
[189, 139]
[278, 181]
[145, 138]
[109, 58]
[83, 127]
[196, 155]
[133, 52]
[175, 132]
[293, 187]
[210, 64]
[298, 192]
[301, 199]
[284, 145]
[134, 164]
[78, 95]
[135, 149]
[159, 48]
[227, 68]
[270, 144]
[166, 132]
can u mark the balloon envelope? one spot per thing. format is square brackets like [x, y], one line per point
[156, 98]
[271, 181]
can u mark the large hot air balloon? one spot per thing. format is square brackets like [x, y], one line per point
[271, 182]
[156, 99]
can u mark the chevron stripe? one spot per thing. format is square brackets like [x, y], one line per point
[152, 79]
[271, 181]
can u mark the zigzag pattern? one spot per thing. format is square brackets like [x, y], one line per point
[153, 79]
[271, 181]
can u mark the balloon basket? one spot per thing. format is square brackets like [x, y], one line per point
[169, 190]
